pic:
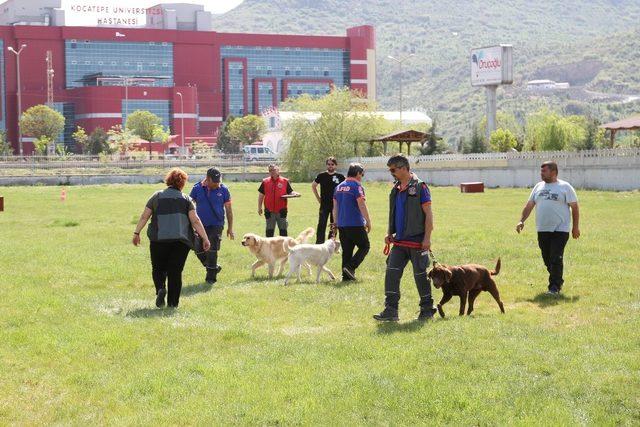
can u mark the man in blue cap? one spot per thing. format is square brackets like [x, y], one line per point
[213, 201]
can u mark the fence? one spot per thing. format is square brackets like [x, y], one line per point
[612, 169]
[81, 164]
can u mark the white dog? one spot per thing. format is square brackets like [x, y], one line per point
[271, 250]
[317, 255]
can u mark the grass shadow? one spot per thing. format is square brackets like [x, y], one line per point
[544, 299]
[276, 279]
[386, 328]
[196, 288]
[151, 312]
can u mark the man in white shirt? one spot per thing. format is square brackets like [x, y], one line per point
[556, 205]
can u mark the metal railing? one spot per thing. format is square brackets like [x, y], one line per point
[94, 164]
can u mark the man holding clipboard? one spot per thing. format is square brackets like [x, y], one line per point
[274, 192]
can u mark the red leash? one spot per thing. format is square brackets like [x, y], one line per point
[401, 243]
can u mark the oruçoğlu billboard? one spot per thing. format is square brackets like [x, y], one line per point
[492, 65]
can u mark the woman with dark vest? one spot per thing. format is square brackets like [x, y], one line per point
[271, 191]
[409, 231]
[173, 218]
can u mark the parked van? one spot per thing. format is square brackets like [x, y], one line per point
[257, 153]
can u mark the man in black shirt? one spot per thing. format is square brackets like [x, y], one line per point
[328, 181]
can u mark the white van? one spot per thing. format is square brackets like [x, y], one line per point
[257, 153]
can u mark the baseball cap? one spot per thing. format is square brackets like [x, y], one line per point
[214, 175]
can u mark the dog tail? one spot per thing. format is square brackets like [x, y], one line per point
[288, 244]
[305, 235]
[497, 270]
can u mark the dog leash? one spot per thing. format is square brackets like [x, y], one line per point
[404, 244]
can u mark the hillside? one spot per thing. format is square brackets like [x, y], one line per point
[589, 43]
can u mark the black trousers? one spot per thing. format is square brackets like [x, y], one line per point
[552, 247]
[350, 238]
[396, 263]
[210, 259]
[167, 262]
[324, 213]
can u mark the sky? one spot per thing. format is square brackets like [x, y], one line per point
[84, 18]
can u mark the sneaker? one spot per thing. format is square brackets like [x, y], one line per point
[160, 297]
[553, 291]
[389, 314]
[426, 314]
[348, 273]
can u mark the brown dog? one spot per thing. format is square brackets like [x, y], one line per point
[464, 280]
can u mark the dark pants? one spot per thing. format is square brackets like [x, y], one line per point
[552, 246]
[325, 213]
[273, 218]
[210, 259]
[167, 262]
[350, 238]
[396, 262]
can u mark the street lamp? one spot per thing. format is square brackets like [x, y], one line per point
[17, 53]
[181, 121]
[400, 61]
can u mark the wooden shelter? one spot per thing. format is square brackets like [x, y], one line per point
[402, 137]
[630, 123]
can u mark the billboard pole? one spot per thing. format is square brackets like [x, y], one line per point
[491, 110]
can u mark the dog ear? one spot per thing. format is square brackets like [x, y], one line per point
[338, 248]
[447, 274]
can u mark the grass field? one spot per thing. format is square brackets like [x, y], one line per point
[82, 343]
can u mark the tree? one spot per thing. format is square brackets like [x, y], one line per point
[81, 139]
[224, 142]
[5, 146]
[247, 130]
[120, 140]
[506, 121]
[548, 131]
[98, 141]
[144, 124]
[476, 143]
[332, 125]
[502, 140]
[432, 141]
[43, 123]
[40, 145]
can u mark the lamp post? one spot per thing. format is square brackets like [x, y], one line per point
[181, 120]
[400, 61]
[17, 53]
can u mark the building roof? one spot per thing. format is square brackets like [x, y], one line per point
[408, 135]
[630, 123]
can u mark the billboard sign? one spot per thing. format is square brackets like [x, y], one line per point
[491, 65]
[92, 13]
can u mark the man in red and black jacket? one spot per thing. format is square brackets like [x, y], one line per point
[271, 191]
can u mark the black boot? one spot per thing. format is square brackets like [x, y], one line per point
[389, 314]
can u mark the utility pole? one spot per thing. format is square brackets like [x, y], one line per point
[50, 74]
[182, 121]
[17, 53]
[400, 61]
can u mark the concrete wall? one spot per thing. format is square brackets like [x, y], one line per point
[597, 169]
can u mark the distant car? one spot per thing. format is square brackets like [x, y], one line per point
[258, 153]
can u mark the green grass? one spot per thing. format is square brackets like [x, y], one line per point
[83, 344]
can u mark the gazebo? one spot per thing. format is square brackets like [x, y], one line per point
[630, 123]
[401, 137]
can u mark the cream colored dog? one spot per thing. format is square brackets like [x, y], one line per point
[271, 250]
[317, 255]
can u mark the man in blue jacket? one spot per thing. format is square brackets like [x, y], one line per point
[213, 201]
